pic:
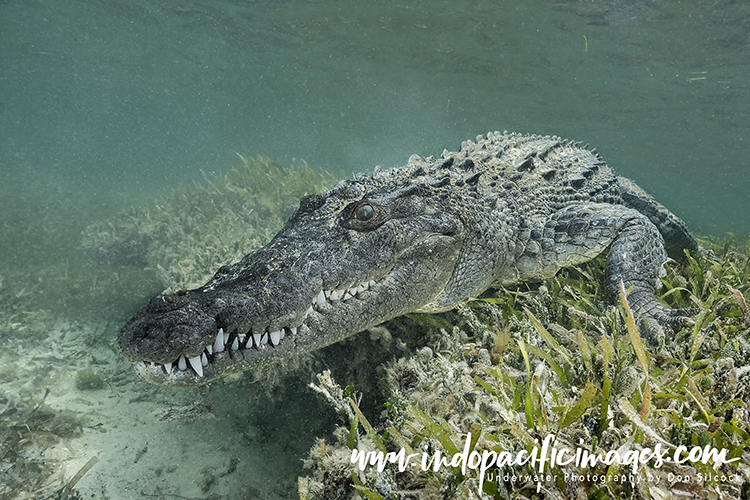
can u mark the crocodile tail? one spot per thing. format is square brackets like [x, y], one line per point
[676, 235]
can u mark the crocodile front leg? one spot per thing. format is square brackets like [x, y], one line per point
[579, 233]
[636, 259]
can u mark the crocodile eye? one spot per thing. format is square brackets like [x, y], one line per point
[364, 215]
[364, 212]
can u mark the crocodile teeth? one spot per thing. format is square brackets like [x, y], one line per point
[219, 342]
[336, 295]
[181, 364]
[168, 367]
[196, 364]
[246, 340]
[276, 337]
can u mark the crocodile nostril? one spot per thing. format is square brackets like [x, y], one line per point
[167, 303]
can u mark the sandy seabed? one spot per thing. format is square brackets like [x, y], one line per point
[96, 406]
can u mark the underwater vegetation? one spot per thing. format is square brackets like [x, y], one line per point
[556, 362]
[186, 237]
[28, 428]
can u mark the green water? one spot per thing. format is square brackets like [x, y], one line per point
[125, 96]
[106, 104]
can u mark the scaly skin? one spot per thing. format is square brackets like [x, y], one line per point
[425, 237]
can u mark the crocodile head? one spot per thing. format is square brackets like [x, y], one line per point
[346, 260]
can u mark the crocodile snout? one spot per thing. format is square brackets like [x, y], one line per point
[169, 326]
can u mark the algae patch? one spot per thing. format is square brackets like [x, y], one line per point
[89, 380]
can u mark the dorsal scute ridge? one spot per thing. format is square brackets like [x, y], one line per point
[543, 156]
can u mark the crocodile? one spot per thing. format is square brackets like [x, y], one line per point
[506, 208]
